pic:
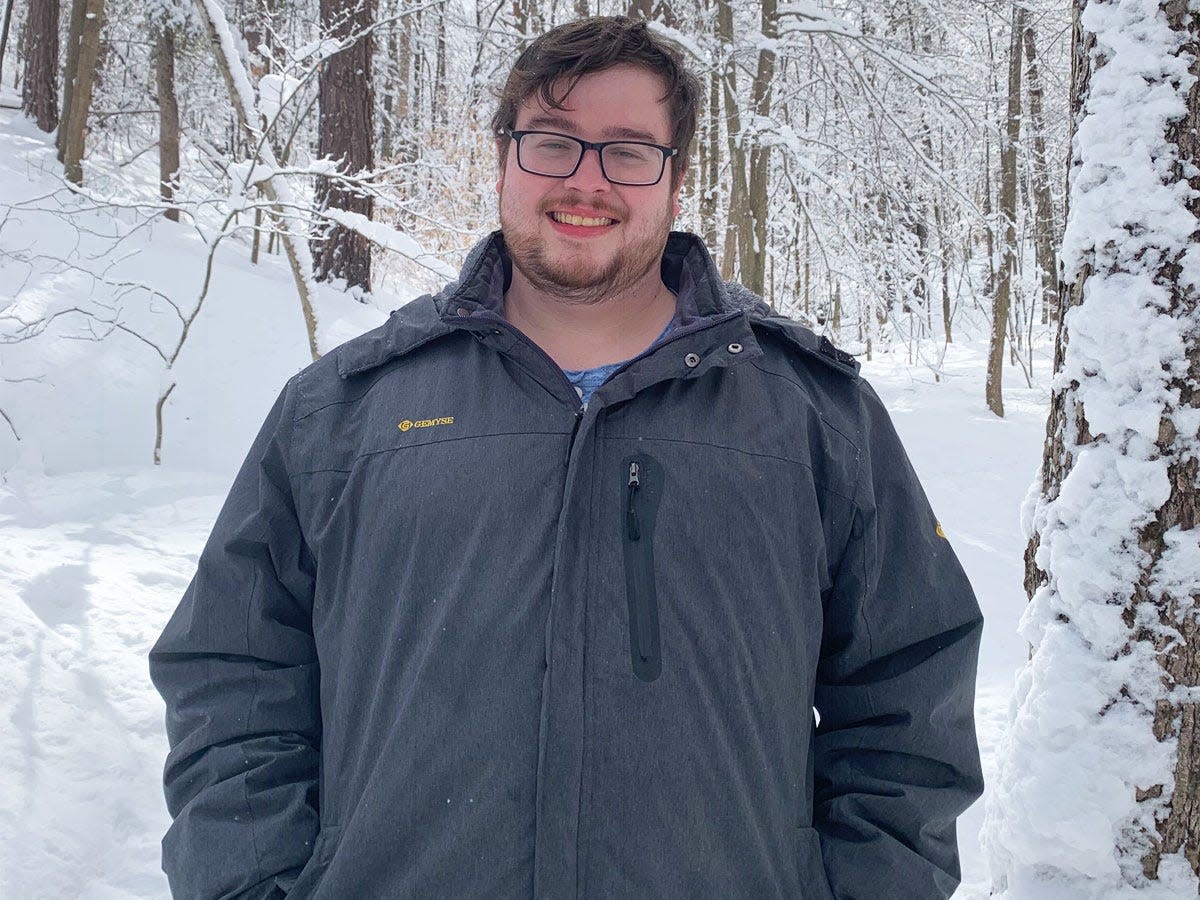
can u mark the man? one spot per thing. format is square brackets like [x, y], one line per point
[533, 589]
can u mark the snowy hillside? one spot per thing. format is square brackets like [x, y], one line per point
[97, 544]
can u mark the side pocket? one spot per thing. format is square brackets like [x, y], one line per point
[814, 883]
[322, 855]
[641, 486]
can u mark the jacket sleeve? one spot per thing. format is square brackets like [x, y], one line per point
[238, 670]
[895, 754]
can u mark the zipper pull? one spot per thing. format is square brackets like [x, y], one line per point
[635, 531]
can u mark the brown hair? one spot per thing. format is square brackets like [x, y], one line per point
[563, 55]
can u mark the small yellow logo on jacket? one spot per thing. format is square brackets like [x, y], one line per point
[408, 424]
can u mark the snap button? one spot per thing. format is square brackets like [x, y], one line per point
[735, 348]
[463, 311]
[691, 360]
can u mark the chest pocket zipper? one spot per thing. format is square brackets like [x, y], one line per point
[643, 481]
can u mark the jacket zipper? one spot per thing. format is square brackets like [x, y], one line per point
[630, 509]
[643, 491]
[574, 432]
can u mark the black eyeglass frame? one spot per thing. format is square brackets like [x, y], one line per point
[598, 146]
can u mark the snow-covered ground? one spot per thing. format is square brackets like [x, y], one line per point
[97, 544]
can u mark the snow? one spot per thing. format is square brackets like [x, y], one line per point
[92, 563]
[1081, 740]
[391, 239]
[275, 92]
[98, 544]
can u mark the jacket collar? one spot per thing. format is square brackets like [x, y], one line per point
[464, 305]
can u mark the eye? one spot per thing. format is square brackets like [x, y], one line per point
[630, 153]
[553, 144]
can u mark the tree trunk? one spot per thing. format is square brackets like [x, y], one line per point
[1137, 286]
[737, 212]
[71, 72]
[8, 8]
[346, 134]
[1045, 232]
[989, 227]
[752, 252]
[1177, 717]
[710, 163]
[1008, 216]
[168, 118]
[440, 114]
[39, 91]
[81, 96]
[939, 219]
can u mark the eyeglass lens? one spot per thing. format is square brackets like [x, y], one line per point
[556, 155]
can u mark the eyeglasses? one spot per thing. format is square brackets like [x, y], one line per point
[554, 155]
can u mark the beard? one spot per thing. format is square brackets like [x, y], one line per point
[584, 276]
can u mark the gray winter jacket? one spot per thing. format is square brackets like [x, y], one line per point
[454, 636]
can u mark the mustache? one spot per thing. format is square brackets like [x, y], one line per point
[598, 209]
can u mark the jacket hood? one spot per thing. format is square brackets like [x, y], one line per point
[487, 271]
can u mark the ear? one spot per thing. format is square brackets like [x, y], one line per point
[677, 190]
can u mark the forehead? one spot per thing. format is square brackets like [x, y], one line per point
[619, 102]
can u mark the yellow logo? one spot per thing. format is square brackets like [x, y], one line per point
[408, 424]
[939, 531]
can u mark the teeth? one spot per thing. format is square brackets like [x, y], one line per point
[568, 219]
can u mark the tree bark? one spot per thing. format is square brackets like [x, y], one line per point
[986, 204]
[1062, 426]
[1179, 720]
[1176, 637]
[81, 96]
[440, 113]
[39, 91]
[346, 134]
[168, 117]
[752, 252]
[1008, 216]
[1045, 232]
[939, 219]
[71, 72]
[737, 211]
[8, 8]
[709, 162]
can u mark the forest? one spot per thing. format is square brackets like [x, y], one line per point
[995, 197]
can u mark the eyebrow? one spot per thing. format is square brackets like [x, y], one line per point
[561, 123]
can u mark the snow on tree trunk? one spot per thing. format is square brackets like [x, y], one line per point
[1099, 786]
[346, 134]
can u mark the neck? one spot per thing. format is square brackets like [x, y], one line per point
[578, 335]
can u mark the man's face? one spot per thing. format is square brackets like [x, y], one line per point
[586, 263]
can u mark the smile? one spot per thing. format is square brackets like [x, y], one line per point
[587, 221]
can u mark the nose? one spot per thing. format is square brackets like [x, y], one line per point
[589, 176]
